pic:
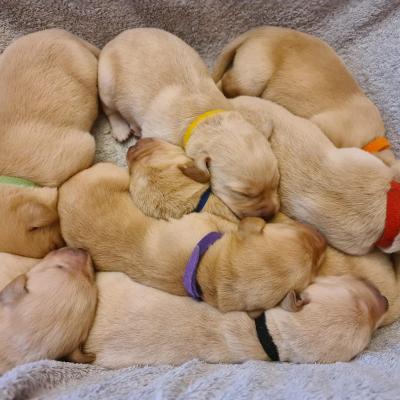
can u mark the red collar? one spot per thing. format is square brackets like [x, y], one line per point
[392, 224]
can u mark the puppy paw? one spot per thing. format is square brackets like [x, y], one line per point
[121, 135]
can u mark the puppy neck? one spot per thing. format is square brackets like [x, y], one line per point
[176, 106]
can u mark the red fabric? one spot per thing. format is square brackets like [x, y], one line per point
[392, 225]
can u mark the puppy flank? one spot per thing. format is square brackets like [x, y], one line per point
[306, 76]
[333, 321]
[45, 78]
[154, 84]
[342, 192]
[243, 270]
[160, 189]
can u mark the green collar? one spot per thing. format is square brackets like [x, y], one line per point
[12, 180]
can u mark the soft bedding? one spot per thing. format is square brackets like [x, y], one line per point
[366, 34]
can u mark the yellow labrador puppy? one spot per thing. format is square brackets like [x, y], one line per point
[230, 267]
[47, 311]
[153, 83]
[160, 189]
[164, 182]
[334, 323]
[48, 104]
[305, 75]
[348, 194]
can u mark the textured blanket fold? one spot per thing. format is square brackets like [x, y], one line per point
[366, 33]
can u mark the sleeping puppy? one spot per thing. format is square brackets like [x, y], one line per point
[164, 182]
[334, 321]
[154, 84]
[242, 270]
[47, 312]
[348, 194]
[305, 75]
[160, 189]
[48, 104]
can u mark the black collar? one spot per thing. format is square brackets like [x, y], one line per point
[203, 200]
[265, 338]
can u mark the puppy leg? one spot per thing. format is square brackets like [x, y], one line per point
[120, 129]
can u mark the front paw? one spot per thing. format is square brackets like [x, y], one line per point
[121, 135]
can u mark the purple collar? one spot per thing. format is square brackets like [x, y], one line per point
[189, 279]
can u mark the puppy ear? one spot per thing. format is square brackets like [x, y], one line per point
[36, 215]
[293, 303]
[14, 290]
[251, 225]
[201, 163]
[192, 171]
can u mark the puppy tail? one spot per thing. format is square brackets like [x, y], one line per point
[225, 59]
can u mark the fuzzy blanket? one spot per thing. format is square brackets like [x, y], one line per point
[366, 33]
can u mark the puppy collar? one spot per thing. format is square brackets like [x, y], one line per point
[265, 338]
[189, 278]
[14, 181]
[203, 201]
[196, 122]
[392, 224]
[380, 143]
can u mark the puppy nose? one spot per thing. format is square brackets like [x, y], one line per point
[139, 146]
[269, 211]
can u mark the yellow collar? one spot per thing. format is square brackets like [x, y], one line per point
[196, 122]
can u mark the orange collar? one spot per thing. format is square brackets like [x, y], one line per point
[380, 143]
[392, 224]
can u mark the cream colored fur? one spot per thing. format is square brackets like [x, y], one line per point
[48, 104]
[136, 324]
[305, 75]
[161, 189]
[244, 270]
[47, 311]
[153, 83]
[341, 192]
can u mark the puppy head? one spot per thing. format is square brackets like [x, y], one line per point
[290, 254]
[244, 171]
[334, 322]
[29, 221]
[164, 181]
[47, 312]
